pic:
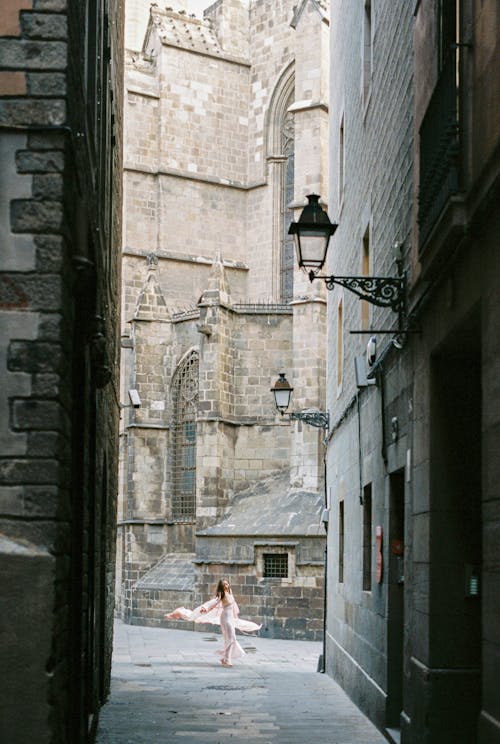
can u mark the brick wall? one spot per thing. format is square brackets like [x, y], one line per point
[58, 271]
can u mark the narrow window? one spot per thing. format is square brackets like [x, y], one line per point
[340, 344]
[365, 271]
[367, 49]
[276, 565]
[367, 538]
[341, 541]
[287, 193]
[341, 162]
[185, 398]
[449, 22]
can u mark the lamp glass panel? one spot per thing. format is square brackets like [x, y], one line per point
[311, 248]
[282, 398]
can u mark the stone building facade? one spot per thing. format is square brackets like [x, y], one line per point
[60, 223]
[413, 573]
[226, 122]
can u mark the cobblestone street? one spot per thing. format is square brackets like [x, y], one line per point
[168, 686]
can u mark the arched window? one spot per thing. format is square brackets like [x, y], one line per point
[280, 157]
[287, 193]
[185, 401]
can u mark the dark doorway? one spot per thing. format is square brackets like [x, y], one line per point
[395, 590]
[455, 534]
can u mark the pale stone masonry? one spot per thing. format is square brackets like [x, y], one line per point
[225, 131]
[412, 468]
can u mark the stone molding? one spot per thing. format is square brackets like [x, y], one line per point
[210, 180]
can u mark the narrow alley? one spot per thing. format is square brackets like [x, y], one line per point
[167, 685]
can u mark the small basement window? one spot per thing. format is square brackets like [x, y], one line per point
[275, 565]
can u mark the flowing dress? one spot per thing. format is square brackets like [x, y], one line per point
[225, 614]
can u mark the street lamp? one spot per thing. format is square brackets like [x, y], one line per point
[312, 234]
[282, 391]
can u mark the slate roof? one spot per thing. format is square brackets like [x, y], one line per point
[268, 508]
[271, 508]
[174, 572]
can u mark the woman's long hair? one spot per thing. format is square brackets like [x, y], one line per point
[220, 588]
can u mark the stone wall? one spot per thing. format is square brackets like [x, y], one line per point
[371, 182]
[411, 650]
[59, 279]
[287, 608]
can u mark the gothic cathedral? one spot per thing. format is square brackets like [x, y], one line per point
[226, 131]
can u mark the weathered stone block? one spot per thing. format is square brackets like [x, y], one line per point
[46, 84]
[44, 26]
[47, 161]
[35, 216]
[34, 356]
[50, 327]
[48, 186]
[53, 5]
[35, 292]
[37, 414]
[35, 55]
[32, 111]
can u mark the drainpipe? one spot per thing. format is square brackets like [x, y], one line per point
[322, 659]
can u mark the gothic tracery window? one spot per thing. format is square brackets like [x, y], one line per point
[185, 400]
[287, 192]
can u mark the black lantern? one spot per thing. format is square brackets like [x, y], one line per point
[312, 234]
[282, 391]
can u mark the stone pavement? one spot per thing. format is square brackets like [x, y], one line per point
[168, 686]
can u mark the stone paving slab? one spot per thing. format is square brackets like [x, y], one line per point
[168, 686]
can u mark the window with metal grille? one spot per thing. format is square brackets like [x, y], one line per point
[441, 131]
[276, 565]
[185, 399]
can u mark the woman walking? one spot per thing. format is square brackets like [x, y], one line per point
[221, 610]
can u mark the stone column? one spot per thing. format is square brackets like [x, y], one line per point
[147, 429]
[310, 111]
[216, 398]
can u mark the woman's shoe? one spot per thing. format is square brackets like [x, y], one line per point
[226, 663]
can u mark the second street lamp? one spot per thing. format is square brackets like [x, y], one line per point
[282, 391]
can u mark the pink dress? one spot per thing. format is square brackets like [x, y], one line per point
[225, 614]
[228, 618]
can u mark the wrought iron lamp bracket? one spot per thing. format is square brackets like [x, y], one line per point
[384, 291]
[319, 419]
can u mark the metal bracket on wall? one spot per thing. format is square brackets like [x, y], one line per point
[318, 419]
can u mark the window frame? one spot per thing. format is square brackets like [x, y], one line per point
[183, 507]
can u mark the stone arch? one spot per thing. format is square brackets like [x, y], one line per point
[279, 103]
[280, 163]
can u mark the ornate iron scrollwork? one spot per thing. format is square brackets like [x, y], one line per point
[319, 419]
[384, 291]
